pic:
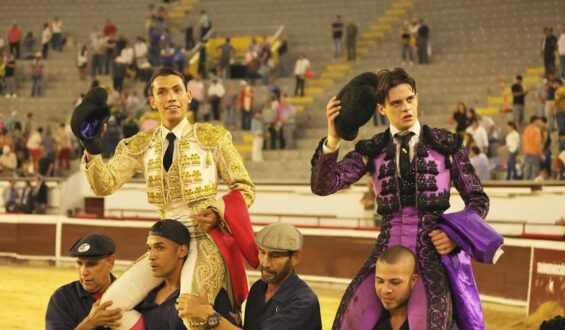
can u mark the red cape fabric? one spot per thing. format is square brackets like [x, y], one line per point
[237, 245]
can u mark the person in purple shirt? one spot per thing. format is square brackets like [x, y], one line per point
[412, 167]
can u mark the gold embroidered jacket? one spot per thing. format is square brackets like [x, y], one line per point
[205, 154]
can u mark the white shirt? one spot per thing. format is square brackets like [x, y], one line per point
[45, 35]
[487, 123]
[416, 129]
[561, 45]
[513, 141]
[57, 26]
[127, 55]
[34, 141]
[140, 49]
[177, 131]
[480, 136]
[481, 165]
[301, 66]
[216, 89]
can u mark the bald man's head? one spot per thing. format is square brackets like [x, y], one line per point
[395, 277]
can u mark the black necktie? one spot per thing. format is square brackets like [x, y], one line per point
[168, 158]
[404, 157]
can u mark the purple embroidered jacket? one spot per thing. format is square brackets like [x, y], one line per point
[410, 208]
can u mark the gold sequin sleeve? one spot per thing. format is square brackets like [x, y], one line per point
[105, 178]
[231, 168]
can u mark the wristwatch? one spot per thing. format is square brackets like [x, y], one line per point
[213, 321]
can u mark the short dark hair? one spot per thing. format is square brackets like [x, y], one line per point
[555, 323]
[533, 118]
[519, 77]
[388, 79]
[165, 71]
[396, 254]
[512, 124]
[476, 150]
[559, 81]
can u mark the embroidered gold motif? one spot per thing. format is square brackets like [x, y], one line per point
[209, 135]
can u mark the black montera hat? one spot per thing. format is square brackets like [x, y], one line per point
[93, 246]
[88, 119]
[171, 229]
[358, 104]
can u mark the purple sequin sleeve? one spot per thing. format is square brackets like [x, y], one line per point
[468, 183]
[330, 176]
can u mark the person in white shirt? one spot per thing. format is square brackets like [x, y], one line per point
[302, 65]
[480, 162]
[57, 36]
[216, 92]
[45, 39]
[196, 88]
[561, 51]
[479, 135]
[513, 145]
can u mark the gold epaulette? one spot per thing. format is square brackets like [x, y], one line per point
[209, 135]
[139, 143]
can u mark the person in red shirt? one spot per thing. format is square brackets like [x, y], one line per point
[14, 38]
[109, 28]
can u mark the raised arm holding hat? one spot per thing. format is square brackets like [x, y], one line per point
[279, 300]
[182, 164]
[77, 305]
[412, 168]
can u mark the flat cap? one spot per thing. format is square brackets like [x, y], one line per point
[93, 246]
[171, 229]
[279, 237]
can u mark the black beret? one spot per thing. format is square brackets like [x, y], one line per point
[88, 119]
[358, 104]
[93, 246]
[171, 229]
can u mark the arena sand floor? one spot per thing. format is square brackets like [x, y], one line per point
[25, 292]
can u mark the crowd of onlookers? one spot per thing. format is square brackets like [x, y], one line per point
[415, 40]
[31, 197]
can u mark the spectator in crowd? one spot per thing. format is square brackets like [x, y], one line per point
[8, 161]
[230, 105]
[37, 75]
[26, 199]
[227, 51]
[202, 60]
[480, 136]
[29, 46]
[46, 36]
[246, 99]
[480, 162]
[40, 192]
[110, 28]
[188, 30]
[111, 138]
[10, 77]
[559, 106]
[513, 145]
[64, 145]
[216, 92]
[180, 60]
[549, 48]
[549, 105]
[279, 300]
[488, 124]
[82, 62]
[196, 88]
[205, 24]
[351, 31]
[407, 48]
[2, 45]
[284, 61]
[34, 146]
[561, 51]
[459, 119]
[287, 118]
[422, 42]
[76, 305]
[532, 146]
[119, 71]
[57, 40]
[127, 54]
[49, 144]
[271, 127]
[168, 55]
[337, 35]
[29, 124]
[6, 139]
[109, 52]
[546, 146]
[97, 56]
[252, 64]
[258, 137]
[518, 100]
[14, 39]
[11, 197]
[140, 50]
[302, 65]
[395, 278]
